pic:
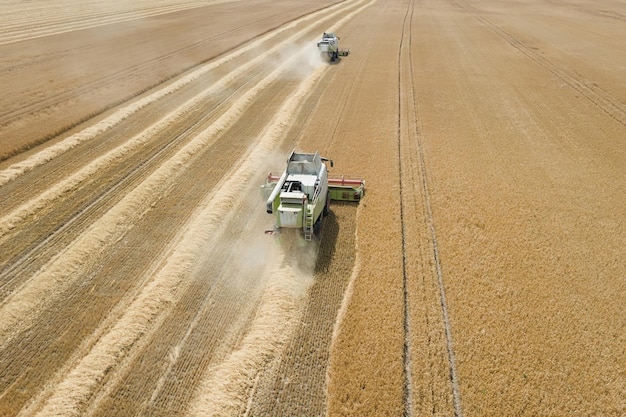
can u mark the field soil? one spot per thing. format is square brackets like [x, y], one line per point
[482, 273]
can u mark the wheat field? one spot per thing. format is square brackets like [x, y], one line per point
[482, 274]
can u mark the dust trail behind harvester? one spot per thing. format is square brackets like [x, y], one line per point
[289, 270]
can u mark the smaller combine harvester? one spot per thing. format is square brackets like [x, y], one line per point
[299, 198]
[329, 47]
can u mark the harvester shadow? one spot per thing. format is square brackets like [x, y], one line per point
[335, 62]
[315, 256]
[328, 241]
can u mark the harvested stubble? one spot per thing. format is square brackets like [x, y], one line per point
[295, 384]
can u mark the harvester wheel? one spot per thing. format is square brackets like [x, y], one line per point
[327, 205]
[317, 227]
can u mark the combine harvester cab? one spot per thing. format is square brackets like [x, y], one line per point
[299, 198]
[329, 47]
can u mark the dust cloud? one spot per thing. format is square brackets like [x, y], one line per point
[308, 59]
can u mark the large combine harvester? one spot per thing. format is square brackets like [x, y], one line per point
[329, 47]
[299, 198]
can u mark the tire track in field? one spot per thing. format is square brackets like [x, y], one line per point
[80, 383]
[406, 352]
[22, 304]
[411, 148]
[600, 98]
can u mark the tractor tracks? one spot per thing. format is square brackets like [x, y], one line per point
[406, 352]
[413, 179]
[590, 90]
